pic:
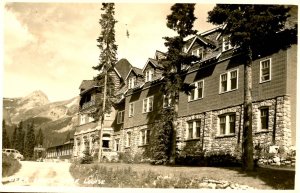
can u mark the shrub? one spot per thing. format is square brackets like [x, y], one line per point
[9, 165]
[87, 158]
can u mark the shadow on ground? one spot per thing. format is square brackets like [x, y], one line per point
[280, 179]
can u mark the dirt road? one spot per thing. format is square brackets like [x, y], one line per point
[41, 174]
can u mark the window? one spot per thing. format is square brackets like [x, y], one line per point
[117, 144]
[264, 118]
[128, 139]
[197, 92]
[265, 70]
[194, 129]
[144, 137]
[131, 109]
[148, 104]
[229, 81]
[167, 101]
[149, 75]
[131, 82]
[227, 124]
[198, 52]
[120, 117]
[226, 45]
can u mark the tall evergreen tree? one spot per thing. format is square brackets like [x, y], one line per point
[254, 29]
[39, 139]
[14, 138]
[20, 138]
[181, 20]
[5, 138]
[29, 142]
[107, 61]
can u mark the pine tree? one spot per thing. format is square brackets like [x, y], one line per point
[29, 142]
[107, 60]
[254, 29]
[39, 139]
[181, 20]
[20, 138]
[14, 138]
[5, 138]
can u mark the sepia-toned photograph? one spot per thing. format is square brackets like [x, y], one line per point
[159, 96]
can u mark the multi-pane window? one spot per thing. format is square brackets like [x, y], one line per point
[148, 104]
[229, 81]
[265, 70]
[131, 109]
[227, 124]
[226, 45]
[167, 101]
[198, 52]
[149, 75]
[128, 139]
[197, 92]
[131, 82]
[120, 117]
[144, 137]
[264, 118]
[194, 129]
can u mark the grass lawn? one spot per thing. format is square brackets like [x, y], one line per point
[263, 178]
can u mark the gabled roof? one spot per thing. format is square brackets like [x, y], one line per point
[137, 71]
[153, 62]
[123, 67]
[86, 84]
[159, 55]
[204, 40]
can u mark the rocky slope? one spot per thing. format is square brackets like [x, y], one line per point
[56, 119]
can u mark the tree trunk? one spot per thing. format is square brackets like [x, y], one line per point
[247, 157]
[172, 160]
[102, 117]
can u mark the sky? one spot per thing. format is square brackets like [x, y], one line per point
[52, 46]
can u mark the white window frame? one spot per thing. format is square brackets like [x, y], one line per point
[260, 70]
[198, 52]
[167, 101]
[128, 139]
[194, 129]
[131, 82]
[226, 43]
[131, 109]
[146, 133]
[149, 75]
[120, 117]
[147, 102]
[117, 141]
[195, 91]
[228, 81]
[227, 124]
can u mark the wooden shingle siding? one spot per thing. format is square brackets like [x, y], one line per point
[140, 118]
[116, 78]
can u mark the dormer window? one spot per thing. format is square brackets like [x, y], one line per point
[149, 75]
[226, 45]
[131, 82]
[198, 52]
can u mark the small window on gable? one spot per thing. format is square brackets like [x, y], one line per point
[226, 45]
[265, 70]
[149, 75]
[131, 82]
[198, 52]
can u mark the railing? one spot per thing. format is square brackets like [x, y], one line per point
[88, 104]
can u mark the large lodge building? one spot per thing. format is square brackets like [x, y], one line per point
[211, 117]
